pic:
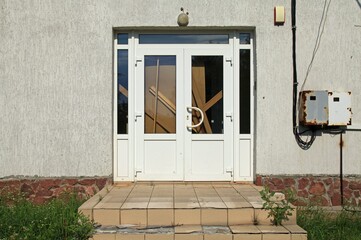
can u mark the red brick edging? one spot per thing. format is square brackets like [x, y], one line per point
[319, 190]
[41, 190]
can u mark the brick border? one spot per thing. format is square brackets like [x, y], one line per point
[41, 190]
[319, 190]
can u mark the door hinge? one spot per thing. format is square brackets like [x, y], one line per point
[137, 171]
[230, 171]
[138, 60]
[230, 60]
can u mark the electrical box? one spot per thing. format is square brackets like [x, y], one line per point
[339, 108]
[325, 108]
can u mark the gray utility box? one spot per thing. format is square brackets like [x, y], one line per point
[325, 108]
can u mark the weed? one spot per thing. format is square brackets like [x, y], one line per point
[278, 206]
[58, 219]
[325, 225]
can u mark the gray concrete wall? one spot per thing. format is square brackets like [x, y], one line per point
[56, 79]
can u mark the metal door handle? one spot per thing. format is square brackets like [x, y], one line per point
[202, 116]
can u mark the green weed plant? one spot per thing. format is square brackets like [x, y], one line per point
[278, 209]
[58, 219]
[321, 224]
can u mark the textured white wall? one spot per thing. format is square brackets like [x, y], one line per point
[56, 79]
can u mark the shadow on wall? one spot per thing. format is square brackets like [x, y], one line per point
[359, 3]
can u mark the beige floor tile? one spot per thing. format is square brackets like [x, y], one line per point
[106, 216]
[133, 216]
[103, 237]
[159, 237]
[272, 229]
[245, 229]
[157, 217]
[276, 237]
[218, 237]
[261, 217]
[298, 236]
[187, 216]
[129, 237]
[214, 217]
[186, 229]
[237, 204]
[295, 229]
[188, 237]
[245, 236]
[241, 216]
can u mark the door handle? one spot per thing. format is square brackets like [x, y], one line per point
[202, 116]
[230, 115]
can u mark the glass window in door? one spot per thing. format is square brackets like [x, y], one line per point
[207, 93]
[160, 94]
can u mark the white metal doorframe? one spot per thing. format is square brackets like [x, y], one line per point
[191, 174]
[141, 138]
[243, 168]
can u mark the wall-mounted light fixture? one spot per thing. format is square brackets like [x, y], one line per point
[183, 18]
[279, 15]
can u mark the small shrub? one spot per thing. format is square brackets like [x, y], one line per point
[278, 209]
[58, 219]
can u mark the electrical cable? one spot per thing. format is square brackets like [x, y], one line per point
[320, 31]
[304, 144]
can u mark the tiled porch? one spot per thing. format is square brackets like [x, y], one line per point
[184, 211]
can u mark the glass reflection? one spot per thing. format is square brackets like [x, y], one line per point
[122, 38]
[207, 93]
[122, 70]
[183, 38]
[160, 94]
[244, 38]
[245, 91]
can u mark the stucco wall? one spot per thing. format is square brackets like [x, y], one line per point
[56, 79]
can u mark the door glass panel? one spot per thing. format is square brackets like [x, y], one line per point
[245, 91]
[244, 38]
[207, 93]
[122, 70]
[160, 94]
[122, 38]
[183, 38]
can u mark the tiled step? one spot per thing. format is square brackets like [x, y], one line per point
[197, 232]
[178, 204]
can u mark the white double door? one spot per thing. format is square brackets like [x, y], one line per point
[183, 114]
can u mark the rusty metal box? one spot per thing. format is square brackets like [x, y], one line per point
[325, 108]
[339, 108]
[313, 108]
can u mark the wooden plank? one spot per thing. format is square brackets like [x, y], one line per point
[199, 80]
[213, 101]
[163, 124]
[199, 104]
[123, 90]
[163, 99]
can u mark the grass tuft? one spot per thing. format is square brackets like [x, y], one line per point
[325, 225]
[58, 219]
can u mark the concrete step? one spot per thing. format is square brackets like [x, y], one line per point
[208, 204]
[198, 232]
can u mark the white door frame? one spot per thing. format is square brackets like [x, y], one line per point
[125, 149]
[203, 163]
[153, 171]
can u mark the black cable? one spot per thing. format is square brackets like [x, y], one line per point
[308, 143]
